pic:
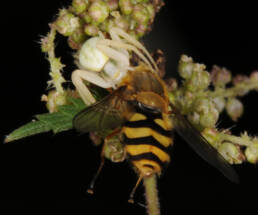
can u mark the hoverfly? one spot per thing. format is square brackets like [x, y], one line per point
[140, 108]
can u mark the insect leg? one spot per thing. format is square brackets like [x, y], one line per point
[114, 133]
[102, 161]
[131, 200]
[102, 158]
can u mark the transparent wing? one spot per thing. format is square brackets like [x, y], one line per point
[107, 114]
[201, 146]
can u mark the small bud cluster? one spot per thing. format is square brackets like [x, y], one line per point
[199, 108]
[195, 97]
[53, 100]
[227, 97]
[202, 105]
[223, 142]
[85, 19]
[251, 152]
[235, 149]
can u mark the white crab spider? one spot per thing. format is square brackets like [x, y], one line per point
[104, 62]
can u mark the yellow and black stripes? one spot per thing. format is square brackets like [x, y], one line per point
[147, 139]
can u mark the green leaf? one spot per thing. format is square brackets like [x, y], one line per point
[31, 128]
[56, 122]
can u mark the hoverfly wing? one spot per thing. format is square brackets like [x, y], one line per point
[201, 146]
[103, 115]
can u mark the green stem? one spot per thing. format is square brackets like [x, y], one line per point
[234, 91]
[151, 195]
[242, 141]
[55, 63]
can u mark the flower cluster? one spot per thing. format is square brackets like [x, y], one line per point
[203, 95]
[85, 18]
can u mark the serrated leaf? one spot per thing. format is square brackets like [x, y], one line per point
[56, 122]
[31, 128]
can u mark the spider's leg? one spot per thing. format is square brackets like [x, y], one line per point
[130, 40]
[78, 76]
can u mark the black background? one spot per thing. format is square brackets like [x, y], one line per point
[47, 171]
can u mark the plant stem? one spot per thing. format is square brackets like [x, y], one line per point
[151, 195]
[55, 63]
[234, 91]
[244, 140]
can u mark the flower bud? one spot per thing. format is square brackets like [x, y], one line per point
[53, 100]
[141, 29]
[126, 6]
[106, 25]
[151, 11]
[98, 11]
[46, 43]
[91, 30]
[251, 153]
[200, 80]
[78, 6]
[140, 14]
[188, 99]
[66, 23]
[210, 119]
[234, 108]
[201, 105]
[208, 113]
[194, 118]
[185, 67]
[240, 79]
[220, 76]
[112, 4]
[211, 135]
[139, 1]
[231, 153]
[219, 103]
[122, 23]
[86, 17]
[77, 38]
[254, 78]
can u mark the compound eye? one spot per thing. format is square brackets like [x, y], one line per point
[147, 108]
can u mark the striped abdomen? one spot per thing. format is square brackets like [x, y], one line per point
[147, 139]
